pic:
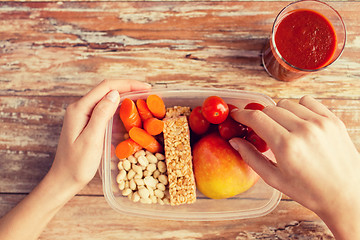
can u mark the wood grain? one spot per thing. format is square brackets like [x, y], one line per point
[52, 53]
[156, 42]
[91, 218]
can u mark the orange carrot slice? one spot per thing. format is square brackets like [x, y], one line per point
[154, 126]
[143, 109]
[145, 140]
[126, 148]
[129, 114]
[156, 106]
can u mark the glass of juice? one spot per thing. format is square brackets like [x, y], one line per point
[307, 36]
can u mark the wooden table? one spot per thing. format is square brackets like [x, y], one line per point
[52, 53]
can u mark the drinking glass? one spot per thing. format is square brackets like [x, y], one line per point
[276, 65]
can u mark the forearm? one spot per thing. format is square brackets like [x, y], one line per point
[32, 214]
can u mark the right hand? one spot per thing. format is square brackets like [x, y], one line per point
[316, 164]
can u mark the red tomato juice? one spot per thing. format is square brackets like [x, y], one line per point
[306, 39]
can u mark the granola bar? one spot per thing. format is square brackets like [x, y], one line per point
[181, 179]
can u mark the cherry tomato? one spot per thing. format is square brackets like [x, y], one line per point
[215, 109]
[258, 142]
[197, 121]
[231, 128]
[254, 106]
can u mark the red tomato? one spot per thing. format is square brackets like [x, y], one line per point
[215, 109]
[254, 106]
[258, 142]
[231, 128]
[198, 123]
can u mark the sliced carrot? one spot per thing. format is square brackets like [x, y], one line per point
[156, 106]
[126, 148]
[145, 140]
[143, 109]
[129, 114]
[154, 126]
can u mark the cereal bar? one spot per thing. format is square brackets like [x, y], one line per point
[177, 111]
[181, 179]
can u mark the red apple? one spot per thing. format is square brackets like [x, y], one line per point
[219, 170]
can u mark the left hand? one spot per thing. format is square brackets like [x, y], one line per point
[82, 137]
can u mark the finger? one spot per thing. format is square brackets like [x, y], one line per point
[102, 113]
[91, 98]
[299, 110]
[315, 106]
[263, 125]
[79, 113]
[284, 117]
[263, 166]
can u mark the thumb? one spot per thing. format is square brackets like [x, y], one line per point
[101, 115]
[262, 165]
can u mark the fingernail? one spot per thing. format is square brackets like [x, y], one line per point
[234, 144]
[147, 84]
[234, 110]
[113, 96]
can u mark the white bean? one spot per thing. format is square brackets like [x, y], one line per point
[120, 165]
[144, 193]
[139, 153]
[121, 176]
[145, 200]
[150, 181]
[137, 168]
[139, 175]
[151, 158]
[130, 195]
[153, 199]
[143, 161]
[160, 201]
[166, 201]
[135, 197]
[147, 173]
[131, 174]
[132, 184]
[151, 191]
[163, 179]
[156, 174]
[158, 193]
[161, 166]
[121, 185]
[139, 181]
[132, 159]
[126, 191]
[160, 186]
[126, 165]
[151, 167]
[159, 156]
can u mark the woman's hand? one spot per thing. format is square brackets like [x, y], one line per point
[81, 141]
[316, 164]
[76, 162]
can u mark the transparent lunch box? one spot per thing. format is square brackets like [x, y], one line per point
[259, 200]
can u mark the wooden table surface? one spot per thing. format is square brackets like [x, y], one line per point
[52, 53]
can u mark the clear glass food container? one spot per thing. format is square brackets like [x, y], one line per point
[259, 200]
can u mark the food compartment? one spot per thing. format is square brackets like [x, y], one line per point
[259, 200]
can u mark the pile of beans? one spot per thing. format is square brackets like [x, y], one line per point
[142, 178]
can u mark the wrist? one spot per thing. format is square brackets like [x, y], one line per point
[343, 219]
[60, 186]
